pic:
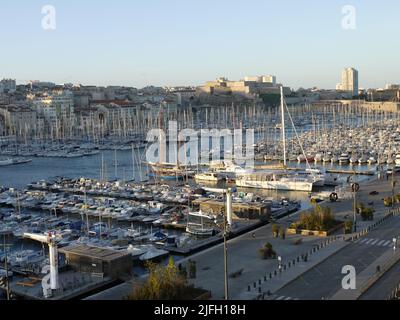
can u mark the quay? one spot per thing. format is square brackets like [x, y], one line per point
[243, 254]
[338, 171]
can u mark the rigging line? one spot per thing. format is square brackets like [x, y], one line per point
[297, 136]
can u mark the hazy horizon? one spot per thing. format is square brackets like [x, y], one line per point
[179, 43]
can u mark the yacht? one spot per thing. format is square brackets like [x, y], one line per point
[371, 160]
[199, 231]
[354, 160]
[344, 158]
[208, 176]
[277, 181]
[334, 159]
[6, 162]
[280, 180]
[363, 160]
[139, 250]
[397, 160]
[327, 158]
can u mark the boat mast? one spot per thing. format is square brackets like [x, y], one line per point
[283, 129]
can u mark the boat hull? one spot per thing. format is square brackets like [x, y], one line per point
[277, 185]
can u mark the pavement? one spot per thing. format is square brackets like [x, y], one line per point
[318, 278]
[325, 280]
[369, 276]
[383, 288]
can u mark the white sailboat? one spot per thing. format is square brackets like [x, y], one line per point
[280, 180]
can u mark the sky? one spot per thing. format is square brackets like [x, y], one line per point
[187, 42]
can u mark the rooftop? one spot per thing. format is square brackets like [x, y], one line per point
[93, 252]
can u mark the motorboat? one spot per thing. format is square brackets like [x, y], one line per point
[158, 237]
[208, 177]
[344, 158]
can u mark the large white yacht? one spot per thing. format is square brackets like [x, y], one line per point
[280, 180]
[274, 180]
[208, 176]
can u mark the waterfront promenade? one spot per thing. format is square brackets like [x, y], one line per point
[243, 254]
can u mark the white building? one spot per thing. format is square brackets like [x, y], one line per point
[262, 79]
[349, 81]
[58, 105]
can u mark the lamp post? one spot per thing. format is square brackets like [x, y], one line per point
[225, 236]
[226, 259]
[354, 187]
[393, 186]
[7, 281]
[225, 231]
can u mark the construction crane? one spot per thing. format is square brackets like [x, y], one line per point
[50, 240]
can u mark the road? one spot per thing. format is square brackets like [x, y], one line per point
[384, 286]
[324, 280]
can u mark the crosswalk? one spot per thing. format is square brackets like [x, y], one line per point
[374, 242]
[283, 298]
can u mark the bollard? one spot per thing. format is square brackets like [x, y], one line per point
[270, 275]
[275, 273]
[294, 262]
[259, 289]
[249, 288]
[290, 264]
[265, 278]
[255, 285]
[259, 282]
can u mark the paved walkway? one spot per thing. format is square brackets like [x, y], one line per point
[243, 251]
[369, 276]
[292, 273]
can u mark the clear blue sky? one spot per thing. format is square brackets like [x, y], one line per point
[178, 42]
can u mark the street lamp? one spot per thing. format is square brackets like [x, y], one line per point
[225, 232]
[7, 281]
[393, 186]
[355, 187]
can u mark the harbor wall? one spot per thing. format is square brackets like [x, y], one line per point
[374, 106]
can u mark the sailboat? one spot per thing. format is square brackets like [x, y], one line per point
[280, 180]
[197, 229]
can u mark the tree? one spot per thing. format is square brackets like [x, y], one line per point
[267, 251]
[163, 283]
[367, 214]
[348, 227]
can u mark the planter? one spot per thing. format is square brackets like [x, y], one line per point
[315, 233]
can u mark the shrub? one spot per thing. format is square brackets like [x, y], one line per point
[163, 283]
[348, 227]
[367, 214]
[388, 201]
[319, 219]
[267, 251]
